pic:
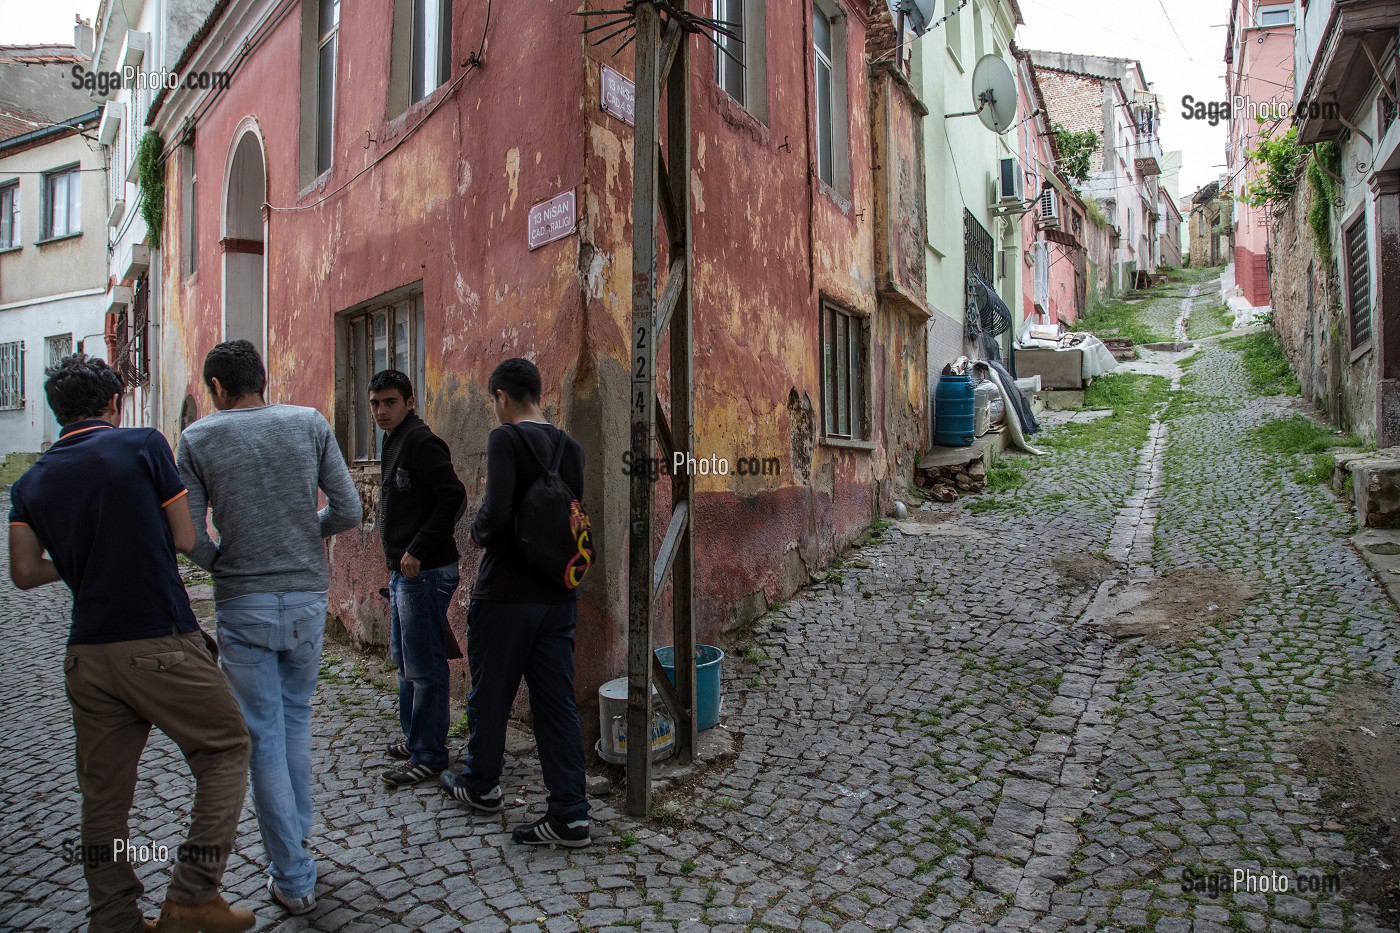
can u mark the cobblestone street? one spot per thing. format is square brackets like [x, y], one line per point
[955, 730]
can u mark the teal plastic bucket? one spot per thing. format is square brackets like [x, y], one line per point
[707, 664]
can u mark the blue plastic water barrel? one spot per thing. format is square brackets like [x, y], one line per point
[952, 406]
[707, 664]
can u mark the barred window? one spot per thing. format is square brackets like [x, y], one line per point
[845, 376]
[12, 375]
[387, 335]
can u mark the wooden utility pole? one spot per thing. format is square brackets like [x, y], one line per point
[661, 185]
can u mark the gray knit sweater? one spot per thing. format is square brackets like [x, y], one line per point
[259, 469]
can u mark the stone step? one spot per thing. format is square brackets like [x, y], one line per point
[1371, 483]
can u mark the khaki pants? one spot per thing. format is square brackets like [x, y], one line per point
[118, 692]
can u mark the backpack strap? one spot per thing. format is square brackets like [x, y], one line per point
[558, 449]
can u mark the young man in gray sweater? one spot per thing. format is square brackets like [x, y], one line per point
[260, 467]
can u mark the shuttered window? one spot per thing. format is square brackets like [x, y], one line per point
[1358, 283]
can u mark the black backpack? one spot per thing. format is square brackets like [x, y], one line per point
[551, 526]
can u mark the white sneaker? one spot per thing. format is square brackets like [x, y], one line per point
[294, 905]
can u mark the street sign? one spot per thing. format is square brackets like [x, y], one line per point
[619, 96]
[553, 219]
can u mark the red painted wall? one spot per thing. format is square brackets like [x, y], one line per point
[447, 207]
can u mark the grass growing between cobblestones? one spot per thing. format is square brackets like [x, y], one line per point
[1120, 319]
[1133, 397]
[1298, 435]
[1213, 319]
[1265, 366]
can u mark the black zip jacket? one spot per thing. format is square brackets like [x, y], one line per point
[504, 574]
[420, 497]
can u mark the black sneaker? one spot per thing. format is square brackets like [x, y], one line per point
[549, 831]
[493, 801]
[400, 751]
[410, 772]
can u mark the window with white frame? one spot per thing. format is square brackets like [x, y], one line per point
[385, 335]
[62, 203]
[9, 216]
[12, 375]
[328, 34]
[829, 54]
[1358, 268]
[1278, 15]
[432, 47]
[845, 373]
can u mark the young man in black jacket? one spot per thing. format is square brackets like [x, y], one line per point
[521, 623]
[420, 501]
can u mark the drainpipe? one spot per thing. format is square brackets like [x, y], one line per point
[153, 350]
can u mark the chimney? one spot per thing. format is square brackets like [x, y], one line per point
[83, 36]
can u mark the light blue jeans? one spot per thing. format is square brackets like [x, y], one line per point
[270, 651]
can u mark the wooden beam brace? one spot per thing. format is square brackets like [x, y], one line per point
[670, 295]
[663, 432]
[671, 43]
[675, 224]
[666, 690]
[680, 518]
[1376, 67]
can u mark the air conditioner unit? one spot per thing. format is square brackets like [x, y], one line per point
[1048, 208]
[1011, 185]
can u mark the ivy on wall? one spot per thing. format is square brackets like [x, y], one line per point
[150, 182]
[1281, 161]
[1322, 173]
[1075, 152]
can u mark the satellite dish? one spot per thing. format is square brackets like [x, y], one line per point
[994, 93]
[918, 14]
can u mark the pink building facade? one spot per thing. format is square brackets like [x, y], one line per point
[1259, 84]
[1053, 230]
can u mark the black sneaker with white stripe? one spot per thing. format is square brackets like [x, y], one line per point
[549, 831]
[493, 801]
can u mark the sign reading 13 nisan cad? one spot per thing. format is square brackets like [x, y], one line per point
[553, 219]
[619, 95]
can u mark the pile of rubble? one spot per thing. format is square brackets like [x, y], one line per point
[946, 483]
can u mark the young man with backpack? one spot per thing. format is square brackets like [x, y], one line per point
[420, 501]
[524, 609]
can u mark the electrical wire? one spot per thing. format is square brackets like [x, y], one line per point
[1173, 26]
[889, 55]
[472, 64]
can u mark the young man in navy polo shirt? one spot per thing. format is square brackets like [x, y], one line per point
[107, 504]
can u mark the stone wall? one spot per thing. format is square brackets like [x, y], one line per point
[1310, 321]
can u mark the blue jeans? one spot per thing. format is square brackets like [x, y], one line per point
[417, 646]
[270, 650]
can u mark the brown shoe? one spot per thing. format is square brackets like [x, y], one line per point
[213, 916]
